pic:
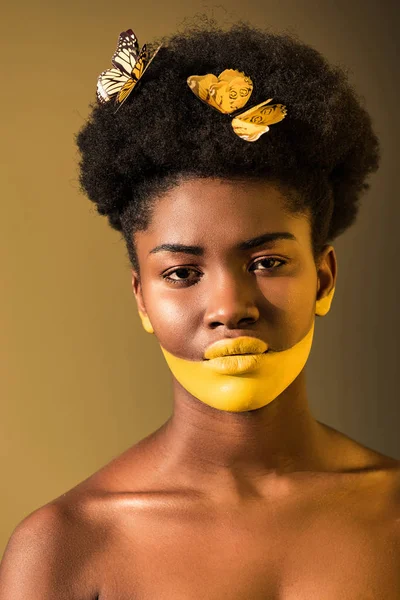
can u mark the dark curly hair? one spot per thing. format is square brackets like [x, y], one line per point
[320, 154]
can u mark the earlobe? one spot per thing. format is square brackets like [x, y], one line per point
[146, 322]
[323, 305]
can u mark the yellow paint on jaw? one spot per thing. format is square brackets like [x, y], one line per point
[246, 391]
[251, 390]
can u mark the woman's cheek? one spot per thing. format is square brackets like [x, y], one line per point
[281, 293]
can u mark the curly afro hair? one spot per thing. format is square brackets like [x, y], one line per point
[320, 154]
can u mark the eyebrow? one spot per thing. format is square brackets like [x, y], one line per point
[260, 240]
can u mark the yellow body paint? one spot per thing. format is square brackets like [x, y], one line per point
[243, 383]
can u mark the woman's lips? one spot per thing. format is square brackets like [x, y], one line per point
[239, 346]
[235, 364]
[241, 354]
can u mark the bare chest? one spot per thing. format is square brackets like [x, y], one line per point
[287, 556]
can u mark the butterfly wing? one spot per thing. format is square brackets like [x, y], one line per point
[127, 52]
[232, 90]
[252, 123]
[228, 92]
[141, 65]
[135, 74]
[109, 84]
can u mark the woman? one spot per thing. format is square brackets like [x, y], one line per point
[228, 220]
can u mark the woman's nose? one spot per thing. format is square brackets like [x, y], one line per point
[230, 302]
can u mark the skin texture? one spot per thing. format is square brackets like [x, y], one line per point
[260, 504]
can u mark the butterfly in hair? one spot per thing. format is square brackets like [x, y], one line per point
[129, 65]
[228, 93]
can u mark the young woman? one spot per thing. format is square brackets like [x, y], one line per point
[229, 162]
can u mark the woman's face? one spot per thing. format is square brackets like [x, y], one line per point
[222, 258]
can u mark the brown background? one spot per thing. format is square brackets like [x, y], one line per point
[76, 382]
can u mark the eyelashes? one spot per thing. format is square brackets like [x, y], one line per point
[187, 282]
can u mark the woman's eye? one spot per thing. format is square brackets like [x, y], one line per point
[273, 260]
[180, 272]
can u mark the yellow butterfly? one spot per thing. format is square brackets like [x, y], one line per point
[228, 93]
[129, 66]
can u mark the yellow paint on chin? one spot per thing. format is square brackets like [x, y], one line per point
[274, 372]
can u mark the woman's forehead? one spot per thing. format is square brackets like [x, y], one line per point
[213, 211]
[196, 201]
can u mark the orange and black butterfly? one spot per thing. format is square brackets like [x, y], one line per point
[129, 66]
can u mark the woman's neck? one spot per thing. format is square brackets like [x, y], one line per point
[229, 452]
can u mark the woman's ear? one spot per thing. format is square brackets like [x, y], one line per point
[327, 274]
[137, 290]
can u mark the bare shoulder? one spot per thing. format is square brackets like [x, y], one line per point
[59, 550]
[379, 480]
[379, 498]
[48, 556]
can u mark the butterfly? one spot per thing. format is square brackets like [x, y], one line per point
[129, 66]
[228, 93]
